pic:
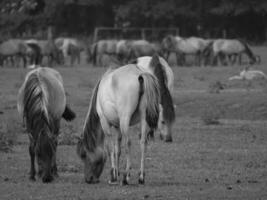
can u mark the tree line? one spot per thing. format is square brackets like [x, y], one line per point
[245, 19]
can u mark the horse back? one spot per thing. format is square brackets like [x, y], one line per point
[52, 82]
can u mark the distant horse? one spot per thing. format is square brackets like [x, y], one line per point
[122, 98]
[165, 77]
[49, 50]
[222, 49]
[34, 54]
[101, 48]
[70, 46]
[42, 104]
[184, 46]
[12, 49]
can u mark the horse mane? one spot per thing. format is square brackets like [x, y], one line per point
[40, 125]
[92, 126]
[165, 96]
[35, 105]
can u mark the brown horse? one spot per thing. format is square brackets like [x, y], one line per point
[42, 104]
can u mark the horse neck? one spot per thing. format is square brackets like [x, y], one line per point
[93, 133]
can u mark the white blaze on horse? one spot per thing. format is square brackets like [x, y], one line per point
[122, 98]
[42, 104]
[165, 78]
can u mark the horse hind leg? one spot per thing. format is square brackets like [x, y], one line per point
[32, 156]
[124, 126]
[143, 143]
[111, 150]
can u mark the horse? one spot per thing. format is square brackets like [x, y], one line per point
[12, 49]
[70, 46]
[42, 103]
[230, 48]
[101, 48]
[165, 78]
[184, 46]
[34, 54]
[122, 98]
[49, 50]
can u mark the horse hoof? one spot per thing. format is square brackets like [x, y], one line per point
[168, 139]
[47, 179]
[141, 181]
[32, 178]
[125, 180]
[113, 182]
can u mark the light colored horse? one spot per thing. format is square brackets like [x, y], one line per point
[48, 50]
[165, 78]
[131, 49]
[12, 49]
[185, 46]
[101, 48]
[122, 98]
[70, 46]
[226, 48]
[42, 104]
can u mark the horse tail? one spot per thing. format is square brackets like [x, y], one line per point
[165, 95]
[149, 88]
[94, 53]
[249, 51]
[35, 105]
[68, 114]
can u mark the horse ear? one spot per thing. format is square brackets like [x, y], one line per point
[154, 61]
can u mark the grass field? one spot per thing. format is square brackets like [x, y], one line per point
[205, 161]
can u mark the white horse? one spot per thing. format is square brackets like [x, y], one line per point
[42, 104]
[166, 81]
[185, 46]
[122, 98]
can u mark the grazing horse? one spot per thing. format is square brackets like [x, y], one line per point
[165, 77]
[101, 48]
[131, 49]
[222, 48]
[184, 46]
[70, 46]
[13, 48]
[122, 98]
[34, 54]
[42, 104]
[49, 50]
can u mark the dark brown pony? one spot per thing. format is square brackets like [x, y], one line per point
[42, 104]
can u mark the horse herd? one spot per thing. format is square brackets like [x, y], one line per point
[204, 51]
[123, 97]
